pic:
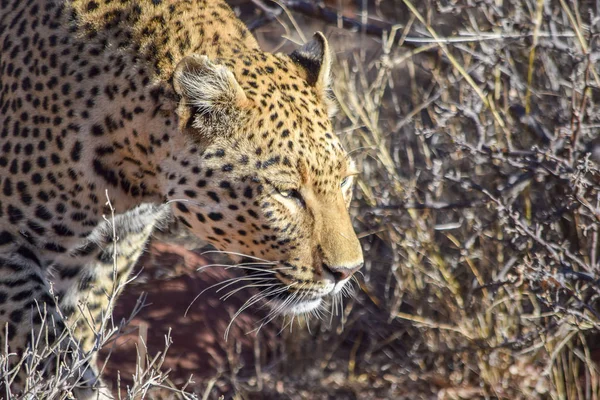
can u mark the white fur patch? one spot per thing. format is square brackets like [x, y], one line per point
[210, 87]
[304, 307]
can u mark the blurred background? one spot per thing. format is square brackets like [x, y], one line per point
[475, 128]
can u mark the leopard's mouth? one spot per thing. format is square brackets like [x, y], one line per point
[295, 302]
[305, 306]
[291, 297]
[308, 301]
[291, 305]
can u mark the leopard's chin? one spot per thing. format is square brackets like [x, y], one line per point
[296, 308]
[305, 306]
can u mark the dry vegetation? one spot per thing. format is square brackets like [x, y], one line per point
[478, 206]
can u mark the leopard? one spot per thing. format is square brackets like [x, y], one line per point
[120, 117]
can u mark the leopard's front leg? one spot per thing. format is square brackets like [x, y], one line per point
[90, 278]
[38, 356]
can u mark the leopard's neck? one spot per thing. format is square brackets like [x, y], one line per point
[139, 45]
[161, 33]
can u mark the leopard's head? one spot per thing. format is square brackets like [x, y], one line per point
[264, 174]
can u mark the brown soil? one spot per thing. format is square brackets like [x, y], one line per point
[198, 347]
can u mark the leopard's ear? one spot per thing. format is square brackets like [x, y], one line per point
[315, 58]
[206, 89]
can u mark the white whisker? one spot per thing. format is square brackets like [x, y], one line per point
[274, 313]
[252, 300]
[233, 253]
[286, 325]
[241, 265]
[233, 281]
[237, 279]
[234, 291]
[292, 298]
[274, 270]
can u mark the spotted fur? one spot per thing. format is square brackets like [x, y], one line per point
[172, 109]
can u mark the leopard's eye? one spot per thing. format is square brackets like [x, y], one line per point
[292, 194]
[345, 181]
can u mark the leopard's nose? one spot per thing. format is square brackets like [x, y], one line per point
[341, 273]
